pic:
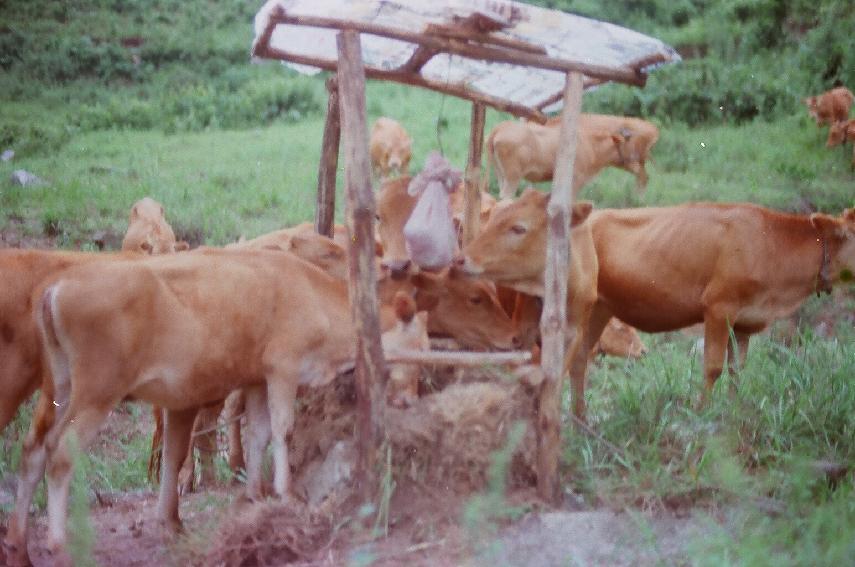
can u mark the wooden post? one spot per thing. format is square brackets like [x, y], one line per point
[370, 366]
[325, 210]
[554, 318]
[472, 187]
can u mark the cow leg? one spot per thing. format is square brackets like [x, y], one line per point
[178, 427]
[641, 179]
[507, 187]
[207, 444]
[33, 458]
[78, 428]
[281, 393]
[16, 390]
[258, 424]
[716, 332]
[579, 353]
[234, 406]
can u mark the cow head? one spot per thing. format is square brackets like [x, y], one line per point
[813, 107]
[321, 251]
[619, 339]
[838, 236]
[464, 309]
[512, 246]
[148, 232]
[397, 158]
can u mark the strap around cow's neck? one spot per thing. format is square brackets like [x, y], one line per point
[823, 279]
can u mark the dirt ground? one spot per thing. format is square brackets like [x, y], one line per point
[425, 532]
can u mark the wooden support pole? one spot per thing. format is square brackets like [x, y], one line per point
[325, 209]
[370, 366]
[554, 318]
[472, 187]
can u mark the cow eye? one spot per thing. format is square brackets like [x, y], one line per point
[475, 300]
[519, 229]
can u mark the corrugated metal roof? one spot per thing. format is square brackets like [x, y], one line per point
[604, 50]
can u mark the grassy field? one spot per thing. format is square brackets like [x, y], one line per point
[221, 171]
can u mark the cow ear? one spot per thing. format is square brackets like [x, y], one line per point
[134, 214]
[580, 212]
[182, 245]
[425, 281]
[827, 225]
[849, 215]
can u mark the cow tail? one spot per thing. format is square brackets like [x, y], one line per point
[56, 382]
[156, 457]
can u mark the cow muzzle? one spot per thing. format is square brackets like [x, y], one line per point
[466, 266]
[399, 269]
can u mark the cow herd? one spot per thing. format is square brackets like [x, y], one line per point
[243, 326]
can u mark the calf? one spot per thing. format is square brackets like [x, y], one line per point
[831, 106]
[148, 232]
[390, 148]
[511, 250]
[179, 332]
[527, 150]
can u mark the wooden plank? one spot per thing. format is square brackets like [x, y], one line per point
[459, 90]
[509, 55]
[328, 166]
[370, 366]
[554, 318]
[472, 186]
[459, 358]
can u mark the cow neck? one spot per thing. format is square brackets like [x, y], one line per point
[823, 278]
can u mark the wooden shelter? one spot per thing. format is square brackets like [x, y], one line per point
[511, 56]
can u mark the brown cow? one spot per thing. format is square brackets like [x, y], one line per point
[170, 330]
[831, 106]
[390, 147]
[464, 309]
[22, 270]
[527, 150]
[840, 133]
[511, 250]
[733, 267]
[148, 232]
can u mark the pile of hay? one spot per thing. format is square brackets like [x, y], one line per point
[267, 534]
[447, 439]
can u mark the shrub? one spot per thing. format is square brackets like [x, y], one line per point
[29, 139]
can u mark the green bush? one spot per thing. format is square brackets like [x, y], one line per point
[29, 139]
[704, 90]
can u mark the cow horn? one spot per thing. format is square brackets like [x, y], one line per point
[625, 132]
